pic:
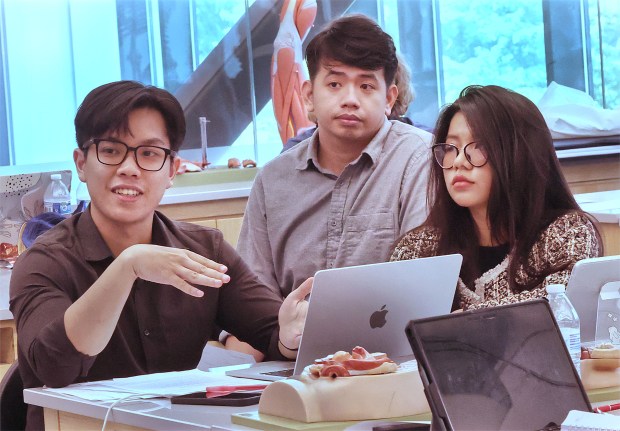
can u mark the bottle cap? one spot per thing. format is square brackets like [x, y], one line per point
[555, 288]
[55, 176]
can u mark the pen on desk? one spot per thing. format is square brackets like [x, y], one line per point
[607, 408]
[218, 391]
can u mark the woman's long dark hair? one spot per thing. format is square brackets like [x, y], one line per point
[528, 190]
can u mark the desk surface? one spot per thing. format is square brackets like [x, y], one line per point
[604, 206]
[154, 415]
[206, 192]
[160, 415]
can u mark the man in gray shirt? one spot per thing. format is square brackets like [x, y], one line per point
[343, 196]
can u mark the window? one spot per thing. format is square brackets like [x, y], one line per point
[505, 48]
[604, 35]
[53, 52]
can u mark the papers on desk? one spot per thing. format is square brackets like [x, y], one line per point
[150, 385]
[577, 420]
[213, 357]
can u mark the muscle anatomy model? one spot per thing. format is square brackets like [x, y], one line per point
[287, 69]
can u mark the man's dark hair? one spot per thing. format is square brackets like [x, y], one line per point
[353, 40]
[106, 109]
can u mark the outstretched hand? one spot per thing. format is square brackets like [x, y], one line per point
[292, 316]
[176, 267]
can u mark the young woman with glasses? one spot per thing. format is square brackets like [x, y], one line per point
[498, 197]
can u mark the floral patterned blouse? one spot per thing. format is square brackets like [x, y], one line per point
[568, 239]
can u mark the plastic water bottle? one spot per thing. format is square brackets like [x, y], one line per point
[82, 198]
[57, 198]
[568, 321]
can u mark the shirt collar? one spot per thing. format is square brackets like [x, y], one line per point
[373, 149]
[309, 157]
[93, 245]
[163, 232]
[375, 146]
[95, 248]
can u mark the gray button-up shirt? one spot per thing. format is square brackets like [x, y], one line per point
[301, 218]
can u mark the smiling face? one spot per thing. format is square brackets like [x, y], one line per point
[125, 196]
[468, 186]
[350, 104]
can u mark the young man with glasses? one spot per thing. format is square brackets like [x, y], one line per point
[121, 290]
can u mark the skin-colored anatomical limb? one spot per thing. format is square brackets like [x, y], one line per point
[287, 71]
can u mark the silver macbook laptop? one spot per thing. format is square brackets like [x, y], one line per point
[594, 289]
[368, 306]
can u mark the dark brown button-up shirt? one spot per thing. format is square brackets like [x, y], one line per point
[160, 328]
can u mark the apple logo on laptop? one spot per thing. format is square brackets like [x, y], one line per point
[377, 319]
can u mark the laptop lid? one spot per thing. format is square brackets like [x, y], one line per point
[500, 368]
[594, 290]
[369, 305]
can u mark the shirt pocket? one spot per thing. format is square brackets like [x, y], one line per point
[369, 237]
[370, 222]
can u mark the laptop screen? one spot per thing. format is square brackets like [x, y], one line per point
[502, 368]
[594, 289]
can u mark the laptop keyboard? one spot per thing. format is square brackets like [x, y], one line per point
[287, 372]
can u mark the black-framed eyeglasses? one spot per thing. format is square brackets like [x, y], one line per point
[446, 154]
[113, 152]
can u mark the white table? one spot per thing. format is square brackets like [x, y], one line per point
[66, 413]
[63, 413]
[605, 207]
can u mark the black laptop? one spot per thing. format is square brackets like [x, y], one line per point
[500, 368]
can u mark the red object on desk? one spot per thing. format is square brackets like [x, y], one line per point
[220, 391]
[607, 408]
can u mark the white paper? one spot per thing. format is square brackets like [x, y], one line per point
[577, 420]
[151, 385]
[213, 357]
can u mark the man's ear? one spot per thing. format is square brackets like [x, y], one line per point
[390, 99]
[80, 160]
[174, 167]
[307, 95]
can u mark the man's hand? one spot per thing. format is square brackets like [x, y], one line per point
[90, 321]
[292, 318]
[176, 267]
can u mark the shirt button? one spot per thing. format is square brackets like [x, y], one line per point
[147, 332]
[334, 223]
